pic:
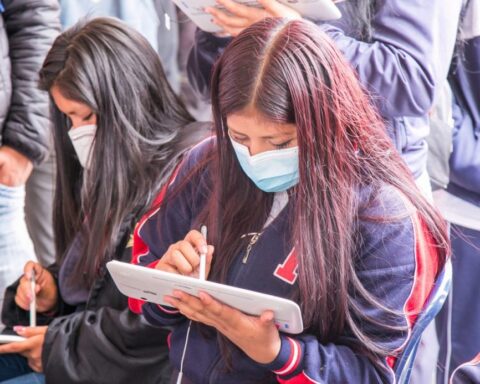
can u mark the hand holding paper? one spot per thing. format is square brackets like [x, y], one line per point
[230, 17]
[234, 17]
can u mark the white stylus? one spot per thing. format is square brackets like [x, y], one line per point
[203, 255]
[33, 300]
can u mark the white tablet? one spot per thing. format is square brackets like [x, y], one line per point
[5, 339]
[310, 9]
[152, 285]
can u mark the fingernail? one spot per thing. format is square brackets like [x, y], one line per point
[204, 249]
[19, 329]
[28, 274]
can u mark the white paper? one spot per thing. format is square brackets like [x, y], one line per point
[310, 9]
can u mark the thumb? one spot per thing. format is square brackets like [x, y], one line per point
[29, 331]
[209, 259]
[267, 318]
[32, 266]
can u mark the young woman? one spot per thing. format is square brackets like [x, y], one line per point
[304, 197]
[401, 50]
[119, 130]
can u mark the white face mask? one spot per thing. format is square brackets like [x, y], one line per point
[82, 140]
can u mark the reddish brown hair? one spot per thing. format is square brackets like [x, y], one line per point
[291, 72]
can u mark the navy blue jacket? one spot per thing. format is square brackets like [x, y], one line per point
[403, 66]
[394, 264]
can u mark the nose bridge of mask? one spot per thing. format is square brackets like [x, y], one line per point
[263, 156]
[84, 130]
[82, 139]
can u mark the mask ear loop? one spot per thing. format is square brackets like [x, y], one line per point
[180, 374]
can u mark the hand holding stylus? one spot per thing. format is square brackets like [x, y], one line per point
[37, 289]
[183, 257]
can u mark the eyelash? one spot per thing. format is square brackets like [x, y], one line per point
[88, 117]
[283, 145]
[238, 140]
[277, 146]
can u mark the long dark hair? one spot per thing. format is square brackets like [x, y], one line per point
[111, 68]
[360, 14]
[290, 72]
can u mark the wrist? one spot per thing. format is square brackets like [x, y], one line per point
[288, 358]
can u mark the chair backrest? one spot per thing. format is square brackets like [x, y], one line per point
[437, 297]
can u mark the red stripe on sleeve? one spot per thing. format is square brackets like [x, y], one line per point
[293, 360]
[426, 270]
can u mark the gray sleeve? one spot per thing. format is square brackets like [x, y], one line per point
[408, 57]
[32, 26]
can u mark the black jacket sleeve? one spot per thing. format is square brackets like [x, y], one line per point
[32, 26]
[105, 342]
[105, 346]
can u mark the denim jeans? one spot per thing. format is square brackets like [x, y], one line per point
[14, 368]
[15, 245]
[30, 378]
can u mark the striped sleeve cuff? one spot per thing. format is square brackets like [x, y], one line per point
[168, 310]
[288, 359]
[161, 315]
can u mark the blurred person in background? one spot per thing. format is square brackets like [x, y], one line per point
[27, 31]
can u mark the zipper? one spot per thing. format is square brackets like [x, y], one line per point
[253, 239]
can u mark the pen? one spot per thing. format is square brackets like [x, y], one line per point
[203, 255]
[33, 300]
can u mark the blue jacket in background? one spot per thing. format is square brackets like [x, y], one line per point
[402, 67]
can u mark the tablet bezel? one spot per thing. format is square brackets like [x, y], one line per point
[152, 285]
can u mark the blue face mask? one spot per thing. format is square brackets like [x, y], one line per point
[271, 171]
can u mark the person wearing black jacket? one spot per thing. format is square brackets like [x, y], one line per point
[119, 133]
[27, 31]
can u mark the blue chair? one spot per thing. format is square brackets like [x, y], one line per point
[437, 297]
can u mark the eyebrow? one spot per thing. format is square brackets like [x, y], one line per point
[262, 137]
